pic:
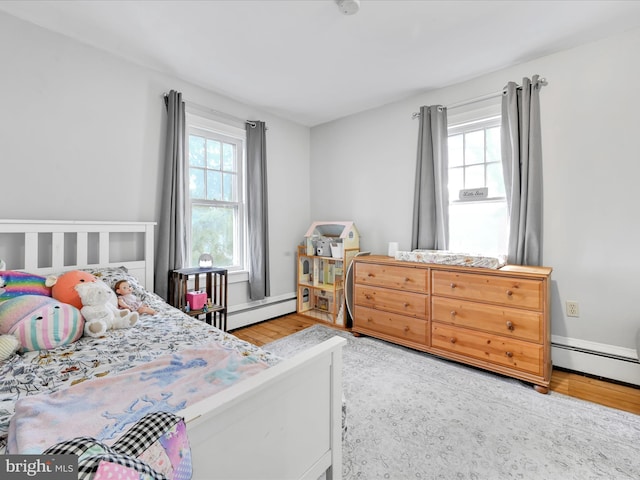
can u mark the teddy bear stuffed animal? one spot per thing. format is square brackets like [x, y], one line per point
[100, 311]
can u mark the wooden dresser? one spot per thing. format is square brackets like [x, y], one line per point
[498, 320]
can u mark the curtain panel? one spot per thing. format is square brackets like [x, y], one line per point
[171, 245]
[257, 210]
[522, 169]
[430, 229]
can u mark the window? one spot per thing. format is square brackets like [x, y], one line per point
[478, 218]
[217, 207]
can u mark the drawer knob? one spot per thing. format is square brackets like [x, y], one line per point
[453, 285]
[370, 274]
[509, 354]
[509, 292]
[453, 313]
[406, 304]
[452, 340]
[406, 329]
[367, 296]
[510, 325]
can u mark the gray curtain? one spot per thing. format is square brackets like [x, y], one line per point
[171, 245]
[522, 168]
[257, 210]
[431, 197]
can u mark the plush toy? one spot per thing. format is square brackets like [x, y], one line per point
[100, 310]
[40, 322]
[63, 286]
[128, 301]
[8, 346]
[15, 283]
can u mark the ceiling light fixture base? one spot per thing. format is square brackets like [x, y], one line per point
[348, 7]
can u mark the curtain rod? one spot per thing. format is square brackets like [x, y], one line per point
[542, 82]
[215, 112]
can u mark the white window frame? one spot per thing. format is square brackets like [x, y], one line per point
[196, 124]
[467, 127]
[487, 116]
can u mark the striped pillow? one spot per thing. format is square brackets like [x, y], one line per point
[40, 323]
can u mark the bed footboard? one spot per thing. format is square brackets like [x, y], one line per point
[283, 423]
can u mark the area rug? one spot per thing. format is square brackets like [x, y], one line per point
[411, 415]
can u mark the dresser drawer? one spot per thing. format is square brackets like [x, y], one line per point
[390, 276]
[495, 349]
[513, 292]
[404, 303]
[509, 322]
[391, 324]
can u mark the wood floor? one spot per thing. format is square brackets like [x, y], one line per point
[610, 394]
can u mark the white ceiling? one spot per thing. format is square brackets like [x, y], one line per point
[305, 61]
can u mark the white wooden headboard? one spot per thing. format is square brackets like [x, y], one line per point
[51, 246]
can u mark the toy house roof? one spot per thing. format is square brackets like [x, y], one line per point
[332, 229]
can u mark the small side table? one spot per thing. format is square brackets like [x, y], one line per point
[216, 288]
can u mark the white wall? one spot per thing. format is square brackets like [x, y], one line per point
[81, 138]
[363, 170]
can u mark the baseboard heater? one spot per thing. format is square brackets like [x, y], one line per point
[599, 360]
[258, 311]
[595, 352]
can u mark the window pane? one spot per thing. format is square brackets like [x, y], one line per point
[196, 183]
[196, 151]
[456, 158]
[495, 181]
[213, 154]
[214, 185]
[456, 183]
[493, 144]
[229, 157]
[213, 232]
[478, 227]
[474, 177]
[474, 147]
[229, 180]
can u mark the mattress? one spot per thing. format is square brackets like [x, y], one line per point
[444, 257]
[167, 333]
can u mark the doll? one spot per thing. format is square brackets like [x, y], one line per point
[127, 300]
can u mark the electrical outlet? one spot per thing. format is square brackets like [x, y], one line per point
[572, 309]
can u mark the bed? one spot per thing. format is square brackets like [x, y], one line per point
[282, 419]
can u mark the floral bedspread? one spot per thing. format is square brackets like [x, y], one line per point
[105, 408]
[167, 332]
